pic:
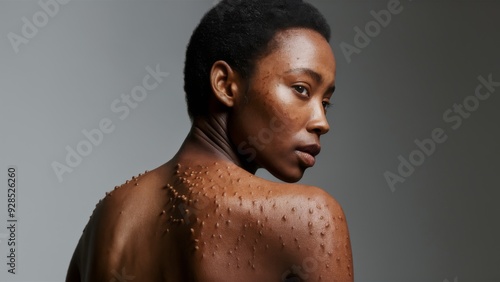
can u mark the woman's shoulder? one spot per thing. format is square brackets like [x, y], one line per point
[301, 197]
[262, 228]
[309, 229]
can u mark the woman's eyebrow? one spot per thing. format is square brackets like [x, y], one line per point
[318, 78]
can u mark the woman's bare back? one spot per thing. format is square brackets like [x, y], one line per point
[204, 221]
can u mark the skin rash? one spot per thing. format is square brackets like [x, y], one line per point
[204, 216]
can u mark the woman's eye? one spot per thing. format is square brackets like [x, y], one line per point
[326, 105]
[301, 90]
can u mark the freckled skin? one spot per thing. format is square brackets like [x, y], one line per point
[204, 215]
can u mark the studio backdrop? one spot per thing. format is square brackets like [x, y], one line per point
[412, 154]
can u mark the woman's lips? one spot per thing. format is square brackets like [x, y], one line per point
[307, 153]
[306, 158]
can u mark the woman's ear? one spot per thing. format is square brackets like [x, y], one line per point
[225, 83]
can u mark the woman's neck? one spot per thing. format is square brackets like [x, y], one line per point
[208, 140]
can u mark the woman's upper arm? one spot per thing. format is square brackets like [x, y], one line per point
[324, 248]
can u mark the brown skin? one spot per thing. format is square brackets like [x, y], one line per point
[204, 216]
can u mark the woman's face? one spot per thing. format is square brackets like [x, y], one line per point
[277, 124]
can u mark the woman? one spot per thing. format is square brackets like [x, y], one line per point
[258, 79]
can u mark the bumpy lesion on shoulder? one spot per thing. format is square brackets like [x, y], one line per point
[319, 237]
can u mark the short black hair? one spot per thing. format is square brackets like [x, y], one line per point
[239, 32]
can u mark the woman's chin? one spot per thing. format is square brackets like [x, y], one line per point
[288, 176]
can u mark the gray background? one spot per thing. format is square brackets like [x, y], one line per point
[440, 224]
